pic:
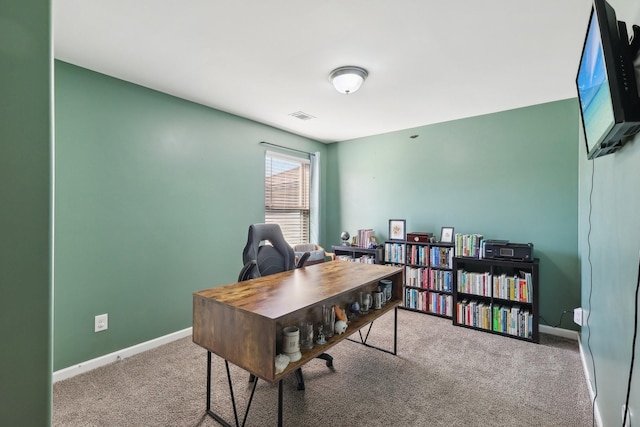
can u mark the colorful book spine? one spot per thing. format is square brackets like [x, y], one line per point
[468, 245]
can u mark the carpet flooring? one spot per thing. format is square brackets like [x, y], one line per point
[443, 375]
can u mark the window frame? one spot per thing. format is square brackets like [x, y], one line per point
[291, 206]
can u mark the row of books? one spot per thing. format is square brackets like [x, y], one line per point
[513, 288]
[441, 256]
[364, 237]
[512, 320]
[428, 301]
[418, 254]
[468, 245]
[436, 256]
[394, 253]
[366, 259]
[428, 278]
[474, 283]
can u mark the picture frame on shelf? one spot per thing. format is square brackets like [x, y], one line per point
[397, 229]
[446, 235]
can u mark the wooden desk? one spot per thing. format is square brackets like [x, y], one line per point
[242, 322]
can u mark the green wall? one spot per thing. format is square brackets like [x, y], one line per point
[509, 175]
[154, 196]
[153, 193]
[609, 255]
[25, 213]
[609, 250]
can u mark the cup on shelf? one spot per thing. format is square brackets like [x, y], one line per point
[306, 335]
[378, 297]
[365, 302]
[328, 320]
[386, 285]
[291, 343]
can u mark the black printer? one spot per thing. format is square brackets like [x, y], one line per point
[503, 249]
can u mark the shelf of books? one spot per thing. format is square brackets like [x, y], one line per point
[428, 275]
[497, 296]
[357, 254]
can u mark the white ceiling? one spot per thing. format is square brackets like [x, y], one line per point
[428, 61]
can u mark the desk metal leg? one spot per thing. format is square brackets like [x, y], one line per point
[208, 381]
[363, 341]
[246, 413]
[280, 403]
[395, 331]
[212, 414]
[233, 399]
[217, 417]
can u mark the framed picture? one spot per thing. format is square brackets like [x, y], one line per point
[397, 229]
[446, 235]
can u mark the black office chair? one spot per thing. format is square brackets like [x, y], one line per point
[270, 258]
[262, 259]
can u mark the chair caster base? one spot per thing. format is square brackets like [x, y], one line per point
[328, 358]
[300, 379]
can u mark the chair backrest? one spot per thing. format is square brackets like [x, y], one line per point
[275, 257]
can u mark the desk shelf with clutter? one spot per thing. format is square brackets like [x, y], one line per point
[243, 322]
[357, 254]
[363, 248]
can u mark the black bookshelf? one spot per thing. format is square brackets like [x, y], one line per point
[508, 308]
[428, 275]
[356, 253]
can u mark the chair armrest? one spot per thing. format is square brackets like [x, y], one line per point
[247, 271]
[303, 259]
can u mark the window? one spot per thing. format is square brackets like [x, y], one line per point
[286, 195]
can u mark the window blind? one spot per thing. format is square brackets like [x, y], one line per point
[286, 195]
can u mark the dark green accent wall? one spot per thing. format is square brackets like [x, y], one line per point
[154, 196]
[510, 175]
[25, 213]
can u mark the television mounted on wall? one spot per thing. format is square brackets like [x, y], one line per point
[607, 88]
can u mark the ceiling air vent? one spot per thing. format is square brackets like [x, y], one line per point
[302, 115]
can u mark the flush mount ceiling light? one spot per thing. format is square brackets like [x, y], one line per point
[348, 79]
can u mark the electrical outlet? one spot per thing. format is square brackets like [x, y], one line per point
[626, 421]
[101, 322]
[577, 316]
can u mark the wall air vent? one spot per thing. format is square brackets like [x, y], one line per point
[302, 115]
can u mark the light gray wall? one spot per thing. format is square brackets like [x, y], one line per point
[609, 257]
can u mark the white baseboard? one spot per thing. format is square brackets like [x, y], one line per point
[596, 411]
[80, 368]
[560, 332]
[576, 336]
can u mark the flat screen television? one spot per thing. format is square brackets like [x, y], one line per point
[607, 90]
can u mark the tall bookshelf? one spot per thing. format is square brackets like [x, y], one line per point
[497, 296]
[428, 275]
